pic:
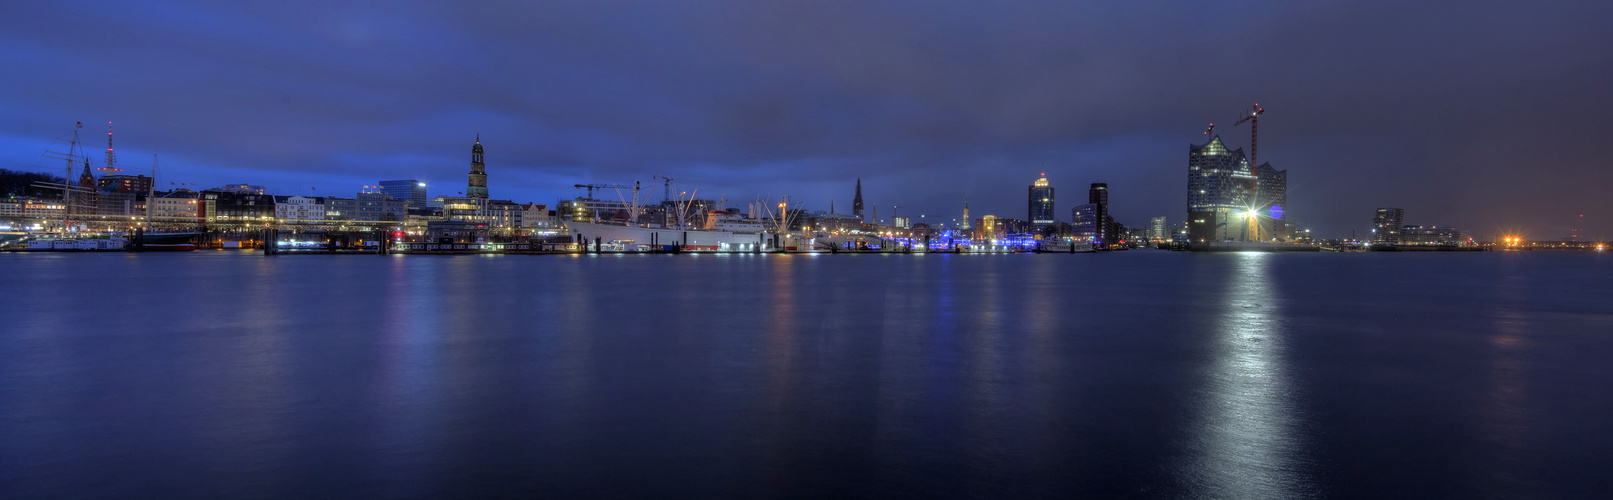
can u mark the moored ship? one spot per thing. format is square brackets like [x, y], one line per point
[103, 243]
[166, 242]
[727, 232]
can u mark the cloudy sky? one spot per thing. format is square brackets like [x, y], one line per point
[1489, 116]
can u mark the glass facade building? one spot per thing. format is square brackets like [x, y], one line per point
[411, 191]
[1084, 221]
[1223, 193]
[1041, 203]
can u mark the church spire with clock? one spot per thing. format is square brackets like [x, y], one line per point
[478, 172]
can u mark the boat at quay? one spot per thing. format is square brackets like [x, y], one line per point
[644, 238]
[165, 242]
[96, 243]
[107, 242]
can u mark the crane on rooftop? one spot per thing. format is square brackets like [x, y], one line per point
[1254, 132]
[592, 187]
[666, 189]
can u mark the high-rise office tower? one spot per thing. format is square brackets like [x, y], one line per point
[1084, 222]
[478, 172]
[1104, 227]
[1387, 226]
[966, 224]
[1041, 202]
[1157, 231]
[411, 191]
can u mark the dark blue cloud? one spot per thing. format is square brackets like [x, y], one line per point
[1485, 116]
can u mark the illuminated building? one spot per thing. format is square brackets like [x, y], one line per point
[504, 216]
[236, 208]
[1432, 236]
[26, 209]
[474, 216]
[175, 208]
[1084, 222]
[299, 209]
[125, 183]
[1012, 227]
[1041, 202]
[411, 191]
[1218, 182]
[838, 223]
[1387, 225]
[1092, 221]
[589, 209]
[366, 207]
[478, 172]
[538, 219]
[239, 189]
[1156, 230]
[966, 223]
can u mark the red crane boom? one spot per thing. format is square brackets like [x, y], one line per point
[1254, 167]
[1254, 134]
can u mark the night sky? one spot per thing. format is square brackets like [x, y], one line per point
[1488, 116]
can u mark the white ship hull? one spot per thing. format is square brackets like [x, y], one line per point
[690, 240]
[110, 244]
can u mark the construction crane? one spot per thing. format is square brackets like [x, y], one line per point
[666, 189]
[1207, 130]
[1254, 133]
[592, 187]
[1254, 173]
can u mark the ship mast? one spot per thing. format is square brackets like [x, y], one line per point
[69, 156]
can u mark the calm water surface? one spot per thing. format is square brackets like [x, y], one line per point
[1133, 374]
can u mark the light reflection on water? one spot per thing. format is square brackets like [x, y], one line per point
[1150, 374]
[1246, 442]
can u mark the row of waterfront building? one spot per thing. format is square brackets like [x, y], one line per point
[1227, 201]
[1389, 228]
[124, 202]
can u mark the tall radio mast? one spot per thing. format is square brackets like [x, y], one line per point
[111, 157]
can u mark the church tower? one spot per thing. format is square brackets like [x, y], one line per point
[86, 179]
[478, 172]
[857, 202]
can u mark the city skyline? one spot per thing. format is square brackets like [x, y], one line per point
[745, 100]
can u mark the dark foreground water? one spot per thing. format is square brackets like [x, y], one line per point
[1133, 374]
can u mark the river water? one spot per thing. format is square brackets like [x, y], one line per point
[1130, 374]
